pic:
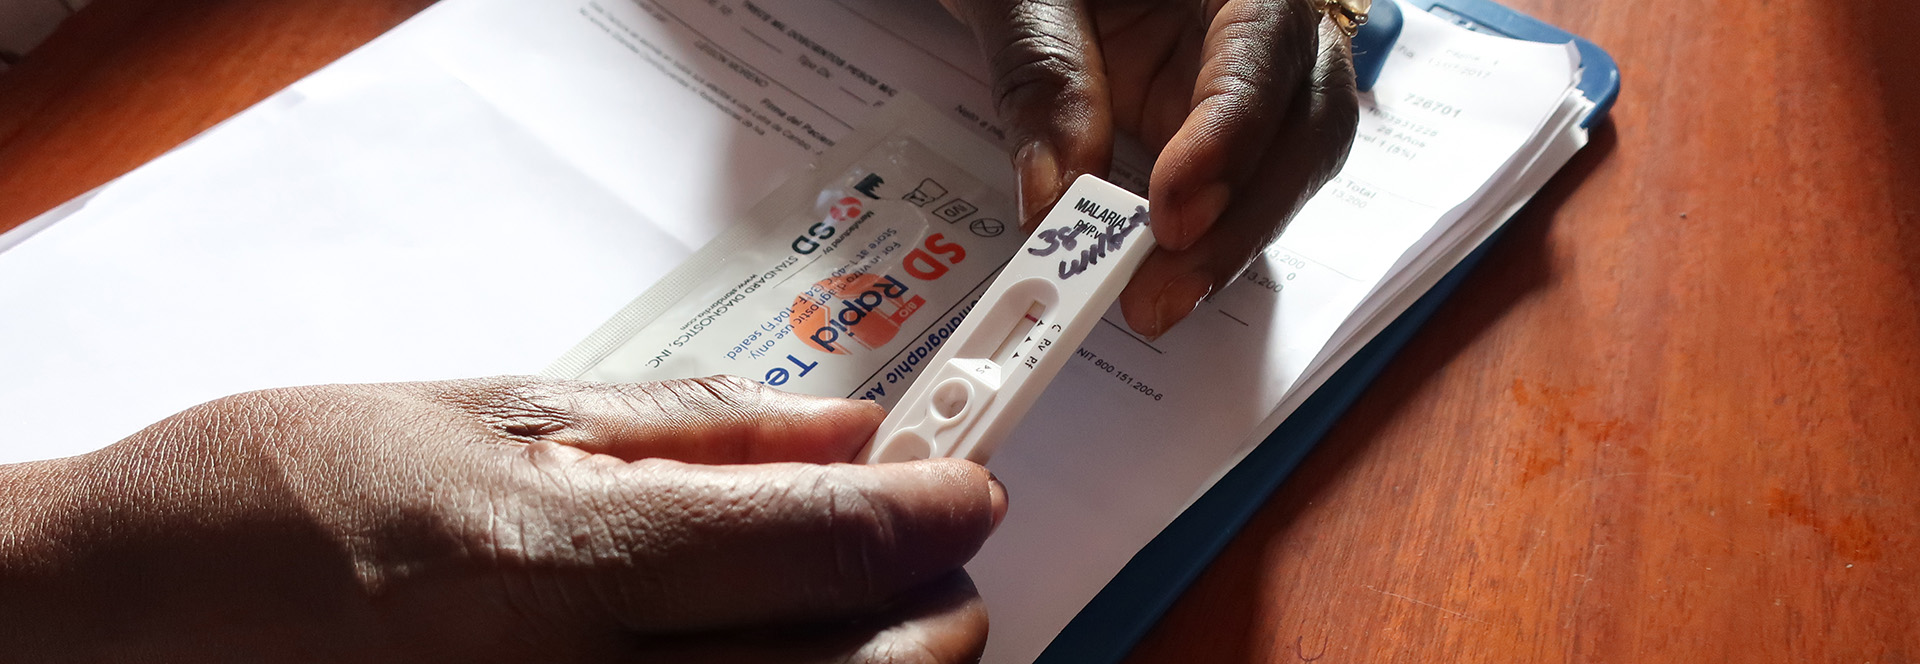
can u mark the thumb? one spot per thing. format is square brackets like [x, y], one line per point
[1050, 86]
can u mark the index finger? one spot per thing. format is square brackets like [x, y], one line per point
[1256, 54]
[714, 420]
[1050, 86]
[1309, 146]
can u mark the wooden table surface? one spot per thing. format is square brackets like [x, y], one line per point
[1672, 418]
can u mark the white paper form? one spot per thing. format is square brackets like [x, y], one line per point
[315, 239]
[479, 189]
[1109, 475]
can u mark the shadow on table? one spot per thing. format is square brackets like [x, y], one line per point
[1518, 265]
[1889, 26]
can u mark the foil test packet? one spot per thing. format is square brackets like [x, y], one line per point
[842, 282]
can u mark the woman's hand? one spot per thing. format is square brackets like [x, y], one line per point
[1249, 103]
[496, 520]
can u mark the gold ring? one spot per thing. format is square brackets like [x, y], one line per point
[1349, 15]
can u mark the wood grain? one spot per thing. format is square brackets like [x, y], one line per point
[1672, 418]
[126, 80]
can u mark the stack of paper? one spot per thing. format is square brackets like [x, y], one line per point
[391, 217]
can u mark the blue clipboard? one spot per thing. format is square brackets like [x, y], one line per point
[1109, 626]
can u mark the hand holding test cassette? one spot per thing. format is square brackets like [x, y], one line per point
[1044, 303]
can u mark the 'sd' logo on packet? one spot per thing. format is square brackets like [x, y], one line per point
[866, 309]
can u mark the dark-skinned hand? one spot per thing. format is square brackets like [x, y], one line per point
[503, 520]
[1248, 104]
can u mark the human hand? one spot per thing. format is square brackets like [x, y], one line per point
[1249, 104]
[496, 520]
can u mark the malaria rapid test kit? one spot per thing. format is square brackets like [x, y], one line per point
[892, 272]
[1031, 319]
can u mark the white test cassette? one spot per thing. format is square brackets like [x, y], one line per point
[1031, 319]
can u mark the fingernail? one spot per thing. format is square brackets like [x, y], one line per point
[1199, 214]
[1039, 172]
[997, 493]
[1178, 299]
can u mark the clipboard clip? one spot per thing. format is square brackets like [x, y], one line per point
[1374, 42]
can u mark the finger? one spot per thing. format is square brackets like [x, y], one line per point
[1309, 149]
[672, 547]
[1050, 87]
[1255, 57]
[715, 420]
[947, 623]
[943, 623]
